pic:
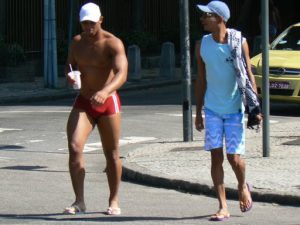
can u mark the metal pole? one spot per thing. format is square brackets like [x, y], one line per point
[3, 18]
[186, 70]
[53, 75]
[46, 42]
[70, 21]
[265, 75]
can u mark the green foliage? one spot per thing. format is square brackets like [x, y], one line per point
[11, 54]
[145, 40]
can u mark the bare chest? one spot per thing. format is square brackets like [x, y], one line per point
[91, 55]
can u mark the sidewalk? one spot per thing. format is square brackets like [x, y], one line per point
[186, 166]
[12, 93]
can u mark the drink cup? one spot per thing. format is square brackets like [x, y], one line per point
[75, 75]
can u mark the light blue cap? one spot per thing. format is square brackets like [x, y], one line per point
[217, 7]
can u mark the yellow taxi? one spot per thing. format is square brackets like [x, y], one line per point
[284, 66]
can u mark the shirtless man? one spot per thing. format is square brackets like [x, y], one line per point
[101, 59]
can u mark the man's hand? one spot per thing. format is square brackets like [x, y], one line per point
[99, 98]
[199, 122]
[70, 80]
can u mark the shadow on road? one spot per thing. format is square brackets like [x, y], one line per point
[87, 217]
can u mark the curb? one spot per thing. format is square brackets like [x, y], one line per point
[139, 86]
[65, 93]
[197, 188]
[40, 97]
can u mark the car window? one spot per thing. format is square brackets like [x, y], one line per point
[289, 41]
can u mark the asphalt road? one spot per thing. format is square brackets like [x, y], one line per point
[35, 184]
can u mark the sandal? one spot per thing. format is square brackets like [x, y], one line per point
[246, 206]
[74, 209]
[113, 211]
[221, 215]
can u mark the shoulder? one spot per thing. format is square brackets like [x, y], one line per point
[205, 39]
[111, 41]
[237, 34]
[77, 38]
[244, 40]
[234, 32]
[75, 42]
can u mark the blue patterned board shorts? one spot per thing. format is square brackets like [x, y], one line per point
[230, 126]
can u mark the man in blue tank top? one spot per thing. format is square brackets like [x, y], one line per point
[218, 94]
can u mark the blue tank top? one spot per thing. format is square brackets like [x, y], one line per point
[222, 95]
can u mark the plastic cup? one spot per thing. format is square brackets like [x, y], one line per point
[75, 75]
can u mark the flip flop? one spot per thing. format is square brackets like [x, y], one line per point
[221, 215]
[113, 211]
[74, 209]
[245, 208]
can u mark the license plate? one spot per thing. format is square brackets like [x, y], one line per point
[279, 84]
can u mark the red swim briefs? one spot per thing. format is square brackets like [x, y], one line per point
[111, 106]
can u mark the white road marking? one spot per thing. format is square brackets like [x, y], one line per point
[35, 141]
[135, 139]
[8, 129]
[89, 147]
[5, 158]
[171, 114]
[194, 116]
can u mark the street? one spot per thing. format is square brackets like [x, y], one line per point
[35, 184]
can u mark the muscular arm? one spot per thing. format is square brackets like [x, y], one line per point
[119, 65]
[200, 88]
[70, 59]
[248, 65]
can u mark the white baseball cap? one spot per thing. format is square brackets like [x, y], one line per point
[90, 11]
[217, 7]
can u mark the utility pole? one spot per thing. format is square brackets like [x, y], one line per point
[70, 20]
[50, 49]
[265, 75]
[186, 70]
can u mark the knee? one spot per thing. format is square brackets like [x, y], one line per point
[75, 148]
[217, 161]
[112, 155]
[217, 158]
[234, 160]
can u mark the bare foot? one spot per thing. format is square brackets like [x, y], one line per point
[75, 208]
[245, 198]
[221, 215]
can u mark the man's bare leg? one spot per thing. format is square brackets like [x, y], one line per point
[109, 128]
[239, 168]
[217, 174]
[78, 128]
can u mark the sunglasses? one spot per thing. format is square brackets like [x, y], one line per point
[207, 14]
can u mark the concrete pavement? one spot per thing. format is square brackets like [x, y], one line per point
[171, 163]
[12, 93]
